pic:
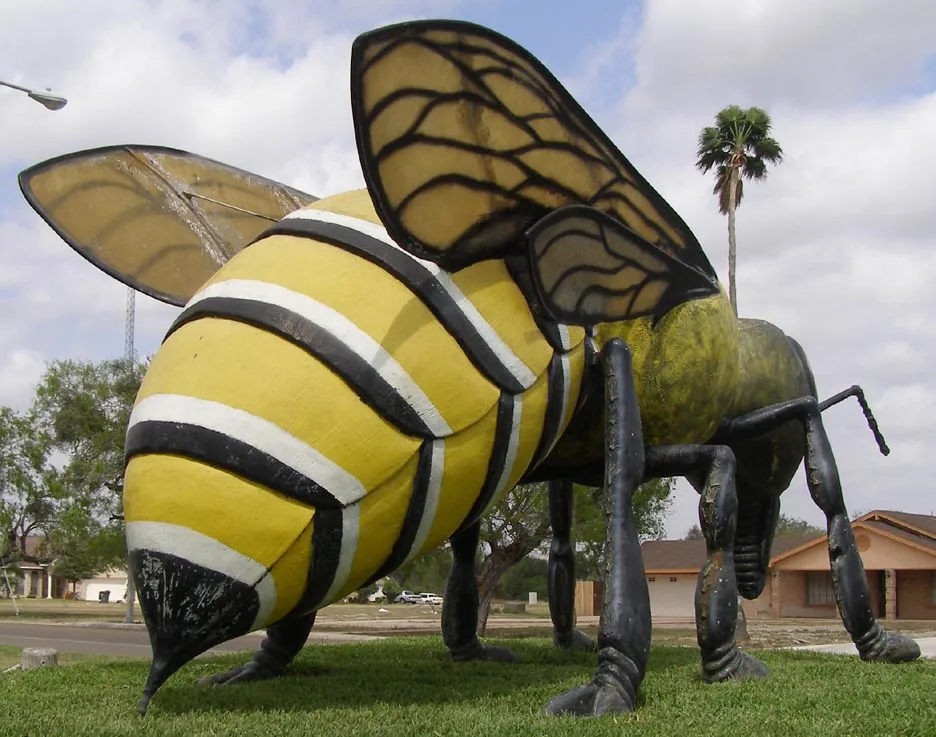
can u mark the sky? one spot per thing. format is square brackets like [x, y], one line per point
[837, 246]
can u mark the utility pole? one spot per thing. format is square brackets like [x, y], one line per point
[130, 357]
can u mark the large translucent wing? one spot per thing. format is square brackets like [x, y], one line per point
[159, 220]
[466, 139]
[588, 268]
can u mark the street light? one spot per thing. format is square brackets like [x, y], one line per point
[52, 102]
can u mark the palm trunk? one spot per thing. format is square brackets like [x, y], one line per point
[732, 204]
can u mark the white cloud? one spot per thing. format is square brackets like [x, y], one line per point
[836, 246]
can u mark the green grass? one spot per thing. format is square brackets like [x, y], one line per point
[408, 686]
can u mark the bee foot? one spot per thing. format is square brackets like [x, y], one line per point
[576, 641]
[891, 647]
[613, 689]
[252, 671]
[738, 666]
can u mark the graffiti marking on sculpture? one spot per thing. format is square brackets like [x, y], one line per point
[356, 381]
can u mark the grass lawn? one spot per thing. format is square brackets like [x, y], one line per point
[408, 686]
[10, 656]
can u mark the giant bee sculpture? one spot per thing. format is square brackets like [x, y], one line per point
[509, 300]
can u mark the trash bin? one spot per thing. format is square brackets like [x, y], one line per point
[104, 597]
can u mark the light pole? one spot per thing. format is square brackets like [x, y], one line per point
[52, 102]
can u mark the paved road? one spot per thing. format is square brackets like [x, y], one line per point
[129, 640]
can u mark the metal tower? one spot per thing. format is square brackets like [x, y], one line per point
[129, 351]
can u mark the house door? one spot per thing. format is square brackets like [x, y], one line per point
[881, 598]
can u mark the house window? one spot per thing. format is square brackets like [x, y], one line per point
[672, 579]
[819, 588]
[933, 588]
[651, 579]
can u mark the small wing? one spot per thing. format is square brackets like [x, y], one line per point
[466, 139]
[159, 220]
[588, 268]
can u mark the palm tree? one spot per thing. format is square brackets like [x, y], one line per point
[738, 147]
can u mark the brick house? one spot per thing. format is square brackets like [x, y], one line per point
[898, 551]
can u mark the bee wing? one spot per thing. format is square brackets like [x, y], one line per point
[159, 220]
[466, 139]
[588, 268]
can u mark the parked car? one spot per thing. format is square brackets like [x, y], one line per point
[427, 598]
[406, 597]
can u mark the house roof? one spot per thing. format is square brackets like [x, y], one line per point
[688, 556]
[921, 524]
[923, 541]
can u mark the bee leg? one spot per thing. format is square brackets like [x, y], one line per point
[624, 629]
[849, 581]
[716, 599]
[283, 642]
[460, 605]
[560, 575]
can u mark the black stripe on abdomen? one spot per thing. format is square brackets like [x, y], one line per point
[327, 526]
[361, 376]
[498, 460]
[414, 515]
[228, 453]
[555, 401]
[416, 278]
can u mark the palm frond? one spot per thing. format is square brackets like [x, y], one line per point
[740, 138]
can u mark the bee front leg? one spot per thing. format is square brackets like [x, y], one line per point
[849, 581]
[283, 642]
[460, 605]
[716, 599]
[560, 576]
[624, 629]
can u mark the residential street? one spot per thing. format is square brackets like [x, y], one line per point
[122, 640]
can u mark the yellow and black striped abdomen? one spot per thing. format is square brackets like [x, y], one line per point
[328, 407]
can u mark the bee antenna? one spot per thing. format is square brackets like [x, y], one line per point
[856, 392]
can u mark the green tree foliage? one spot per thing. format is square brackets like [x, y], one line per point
[83, 409]
[786, 526]
[427, 573]
[694, 533]
[652, 504]
[30, 492]
[518, 527]
[737, 147]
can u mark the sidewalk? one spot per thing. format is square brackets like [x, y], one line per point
[927, 647]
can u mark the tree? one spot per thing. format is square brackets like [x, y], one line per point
[516, 527]
[738, 147]
[519, 527]
[30, 489]
[652, 503]
[794, 526]
[694, 533]
[426, 573]
[785, 526]
[83, 408]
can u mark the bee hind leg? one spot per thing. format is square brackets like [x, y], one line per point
[560, 576]
[283, 642]
[624, 629]
[716, 599]
[460, 605]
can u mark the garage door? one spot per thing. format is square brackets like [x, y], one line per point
[672, 596]
[117, 590]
